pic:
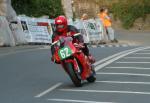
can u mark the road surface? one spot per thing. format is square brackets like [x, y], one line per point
[28, 76]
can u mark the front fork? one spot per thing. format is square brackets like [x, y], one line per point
[75, 65]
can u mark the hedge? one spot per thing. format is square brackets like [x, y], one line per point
[37, 8]
[129, 10]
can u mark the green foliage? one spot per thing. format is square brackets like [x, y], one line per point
[37, 8]
[128, 11]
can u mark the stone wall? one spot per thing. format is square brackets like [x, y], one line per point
[7, 10]
[91, 7]
[141, 24]
[11, 34]
[67, 7]
[85, 6]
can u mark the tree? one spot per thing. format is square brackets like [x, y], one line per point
[129, 10]
[37, 8]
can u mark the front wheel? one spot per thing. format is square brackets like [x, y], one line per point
[73, 75]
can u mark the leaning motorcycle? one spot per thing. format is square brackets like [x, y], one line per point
[73, 60]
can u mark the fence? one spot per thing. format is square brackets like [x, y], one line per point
[41, 30]
[92, 30]
[37, 30]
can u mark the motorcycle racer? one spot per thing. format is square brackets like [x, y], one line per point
[63, 29]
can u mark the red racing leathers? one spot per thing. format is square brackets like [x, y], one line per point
[70, 31]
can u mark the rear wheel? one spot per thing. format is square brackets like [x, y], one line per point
[92, 78]
[73, 75]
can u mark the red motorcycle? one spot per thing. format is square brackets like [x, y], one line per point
[73, 60]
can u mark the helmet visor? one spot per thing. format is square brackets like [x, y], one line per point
[60, 26]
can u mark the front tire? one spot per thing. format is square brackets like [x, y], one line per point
[73, 75]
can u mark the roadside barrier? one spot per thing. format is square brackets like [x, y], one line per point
[6, 37]
[40, 30]
[37, 30]
[92, 30]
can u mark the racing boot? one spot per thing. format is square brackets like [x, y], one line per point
[91, 59]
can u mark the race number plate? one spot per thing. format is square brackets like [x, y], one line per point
[64, 52]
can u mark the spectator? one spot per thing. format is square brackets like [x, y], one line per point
[106, 20]
[84, 19]
[84, 16]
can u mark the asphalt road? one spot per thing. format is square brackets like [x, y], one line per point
[135, 37]
[28, 76]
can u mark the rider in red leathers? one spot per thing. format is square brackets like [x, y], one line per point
[63, 29]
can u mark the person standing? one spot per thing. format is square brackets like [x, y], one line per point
[84, 17]
[84, 20]
[106, 20]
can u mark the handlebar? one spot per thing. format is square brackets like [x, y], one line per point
[54, 43]
[77, 34]
[62, 39]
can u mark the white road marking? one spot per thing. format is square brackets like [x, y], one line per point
[105, 91]
[125, 74]
[105, 59]
[136, 57]
[20, 51]
[119, 56]
[48, 90]
[146, 50]
[76, 101]
[113, 56]
[139, 68]
[133, 62]
[15, 52]
[124, 82]
[141, 53]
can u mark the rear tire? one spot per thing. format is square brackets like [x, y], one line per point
[74, 76]
[92, 78]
